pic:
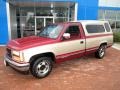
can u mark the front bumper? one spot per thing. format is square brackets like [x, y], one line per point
[15, 65]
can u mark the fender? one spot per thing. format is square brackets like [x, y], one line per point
[28, 53]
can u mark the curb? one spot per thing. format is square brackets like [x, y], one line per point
[116, 46]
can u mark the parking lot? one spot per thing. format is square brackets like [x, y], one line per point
[86, 73]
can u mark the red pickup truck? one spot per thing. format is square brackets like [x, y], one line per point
[57, 43]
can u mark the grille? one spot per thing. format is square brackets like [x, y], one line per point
[9, 54]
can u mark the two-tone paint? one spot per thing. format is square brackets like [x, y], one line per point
[58, 49]
[63, 50]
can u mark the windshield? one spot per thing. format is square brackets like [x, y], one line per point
[51, 31]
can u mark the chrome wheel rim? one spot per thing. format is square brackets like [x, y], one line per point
[42, 68]
[102, 52]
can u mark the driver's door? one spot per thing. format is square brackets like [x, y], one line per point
[73, 47]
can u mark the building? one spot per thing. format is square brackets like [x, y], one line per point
[21, 18]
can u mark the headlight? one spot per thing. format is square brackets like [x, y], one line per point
[17, 56]
[17, 53]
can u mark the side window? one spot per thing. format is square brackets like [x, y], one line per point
[95, 28]
[107, 27]
[74, 32]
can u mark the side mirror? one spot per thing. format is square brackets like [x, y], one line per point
[66, 35]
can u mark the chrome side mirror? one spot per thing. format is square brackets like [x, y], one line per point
[66, 35]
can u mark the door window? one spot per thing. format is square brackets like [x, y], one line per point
[74, 32]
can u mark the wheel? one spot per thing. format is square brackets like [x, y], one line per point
[100, 53]
[41, 67]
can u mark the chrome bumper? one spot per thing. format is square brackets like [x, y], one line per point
[15, 65]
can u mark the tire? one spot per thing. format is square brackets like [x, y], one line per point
[100, 53]
[41, 67]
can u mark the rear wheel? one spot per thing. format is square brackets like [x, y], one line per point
[41, 67]
[100, 53]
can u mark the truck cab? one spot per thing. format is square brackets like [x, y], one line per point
[57, 43]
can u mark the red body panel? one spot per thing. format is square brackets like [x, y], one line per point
[69, 56]
[29, 42]
[76, 54]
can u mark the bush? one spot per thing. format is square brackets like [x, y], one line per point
[116, 36]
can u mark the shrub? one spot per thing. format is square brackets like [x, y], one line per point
[116, 36]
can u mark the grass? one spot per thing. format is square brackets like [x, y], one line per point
[116, 36]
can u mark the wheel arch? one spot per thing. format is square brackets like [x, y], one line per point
[47, 54]
[103, 43]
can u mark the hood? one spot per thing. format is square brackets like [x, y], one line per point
[29, 42]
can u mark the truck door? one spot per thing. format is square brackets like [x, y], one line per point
[73, 47]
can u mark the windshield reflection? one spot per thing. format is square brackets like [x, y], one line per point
[51, 31]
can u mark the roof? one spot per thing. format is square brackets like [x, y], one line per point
[85, 22]
[91, 21]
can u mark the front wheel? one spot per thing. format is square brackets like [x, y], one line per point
[41, 67]
[100, 53]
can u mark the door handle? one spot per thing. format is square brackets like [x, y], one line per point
[81, 42]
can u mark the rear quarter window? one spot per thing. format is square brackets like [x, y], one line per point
[95, 28]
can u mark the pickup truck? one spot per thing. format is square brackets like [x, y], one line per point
[57, 43]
